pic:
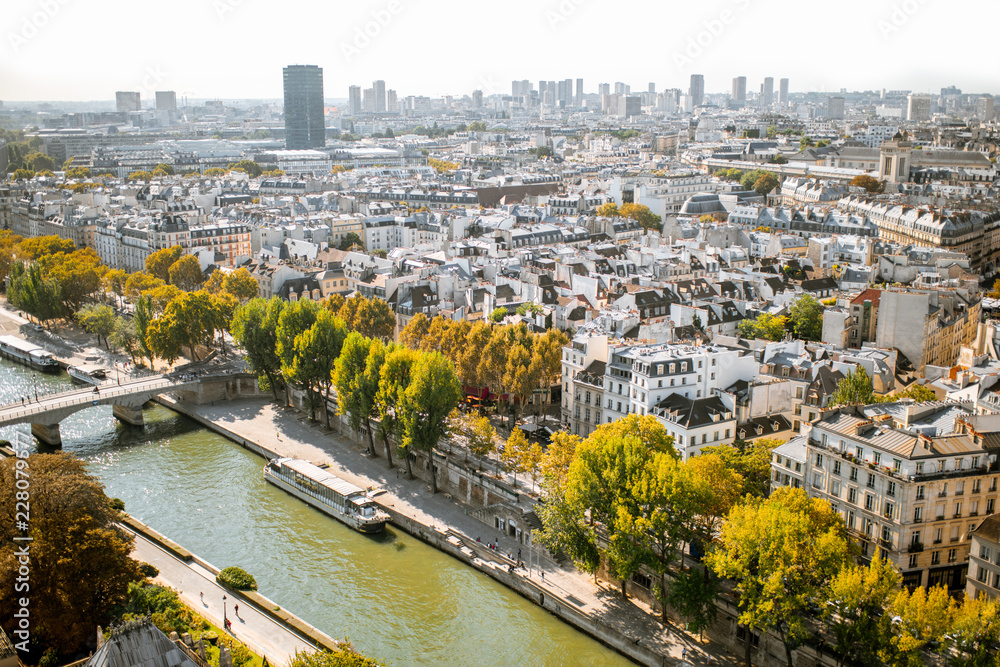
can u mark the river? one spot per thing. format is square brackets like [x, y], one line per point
[394, 597]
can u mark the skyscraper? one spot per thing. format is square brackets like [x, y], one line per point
[767, 94]
[835, 108]
[697, 89]
[368, 100]
[305, 126]
[354, 100]
[166, 100]
[740, 89]
[918, 107]
[604, 89]
[379, 87]
[392, 101]
[127, 100]
[783, 92]
[477, 99]
[579, 92]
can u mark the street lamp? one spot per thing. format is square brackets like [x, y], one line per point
[224, 621]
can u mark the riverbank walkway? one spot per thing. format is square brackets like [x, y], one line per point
[289, 433]
[262, 634]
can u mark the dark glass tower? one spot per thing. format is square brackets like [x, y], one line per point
[304, 125]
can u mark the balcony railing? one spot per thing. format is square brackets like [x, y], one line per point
[915, 547]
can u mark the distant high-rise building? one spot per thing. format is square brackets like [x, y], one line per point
[697, 90]
[835, 108]
[604, 89]
[652, 88]
[305, 125]
[166, 100]
[767, 94]
[740, 89]
[368, 100]
[579, 92]
[354, 100]
[951, 90]
[520, 88]
[379, 87]
[918, 107]
[985, 108]
[128, 100]
[622, 88]
[542, 87]
[783, 92]
[392, 101]
[477, 99]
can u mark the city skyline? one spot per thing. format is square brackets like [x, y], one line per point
[370, 42]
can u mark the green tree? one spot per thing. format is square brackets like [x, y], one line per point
[353, 399]
[513, 452]
[918, 392]
[80, 565]
[165, 168]
[481, 436]
[38, 247]
[608, 210]
[782, 552]
[641, 213]
[857, 599]
[433, 393]
[413, 333]
[186, 273]
[40, 162]
[158, 263]
[498, 314]
[143, 318]
[249, 167]
[393, 381]
[692, 595]
[369, 317]
[519, 379]
[751, 461]
[140, 283]
[806, 314]
[140, 176]
[254, 328]
[28, 290]
[976, 632]
[79, 274]
[350, 240]
[343, 656]
[854, 389]
[187, 322]
[315, 352]
[869, 183]
[114, 282]
[124, 337]
[765, 325]
[765, 184]
[918, 620]
[240, 284]
[77, 173]
[296, 318]
[98, 320]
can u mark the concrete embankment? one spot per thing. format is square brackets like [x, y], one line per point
[263, 605]
[465, 548]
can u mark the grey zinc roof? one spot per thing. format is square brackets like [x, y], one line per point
[989, 529]
[140, 645]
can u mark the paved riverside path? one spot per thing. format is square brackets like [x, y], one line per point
[289, 433]
[262, 634]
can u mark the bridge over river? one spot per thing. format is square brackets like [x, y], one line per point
[126, 398]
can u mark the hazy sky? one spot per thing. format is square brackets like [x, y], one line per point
[88, 49]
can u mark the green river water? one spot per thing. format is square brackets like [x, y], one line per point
[394, 597]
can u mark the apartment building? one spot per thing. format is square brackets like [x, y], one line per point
[586, 347]
[929, 326]
[639, 377]
[910, 481]
[984, 559]
[588, 390]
